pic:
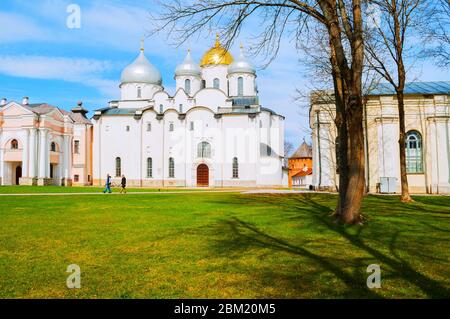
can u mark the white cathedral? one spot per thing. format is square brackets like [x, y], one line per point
[211, 132]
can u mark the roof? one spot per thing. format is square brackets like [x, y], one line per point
[304, 151]
[117, 111]
[304, 172]
[438, 87]
[44, 108]
[245, 101]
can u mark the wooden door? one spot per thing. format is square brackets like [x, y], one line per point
[18, 174]
[202, 175]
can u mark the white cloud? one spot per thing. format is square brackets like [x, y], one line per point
[84, 71]
[17, 27]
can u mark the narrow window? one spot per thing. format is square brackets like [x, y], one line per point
[161, 108]
[187, 86]
[181, 108]
[191, 126]
[118, 167]
[76, 147]
[171, 127]
[14, 145]
[216, 83]
[204, 150]
[235, 168]
[203, 84]
[128, 128]
[414, 161]
[171, 168]
[139, 92]
[149, 127]
[89, 178]
[53, 147]
[240, 86]
[76, 178]
[149, 167]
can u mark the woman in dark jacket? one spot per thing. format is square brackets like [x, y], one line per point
[123, 183]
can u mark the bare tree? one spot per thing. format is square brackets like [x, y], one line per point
[437, 28]
[390, 25]
[288, 148]
[342, 22]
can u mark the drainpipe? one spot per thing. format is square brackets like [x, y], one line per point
[437, 149]
[366, 145]
[318, 147]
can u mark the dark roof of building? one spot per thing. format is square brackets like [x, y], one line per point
[44, 108]
[304, 151]
[439, 87]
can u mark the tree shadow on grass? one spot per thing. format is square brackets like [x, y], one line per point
[399, 266]
[239, 235]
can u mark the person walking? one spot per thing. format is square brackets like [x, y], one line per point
[123, 183]
[107, 184]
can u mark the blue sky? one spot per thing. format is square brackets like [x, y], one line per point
[42, 58]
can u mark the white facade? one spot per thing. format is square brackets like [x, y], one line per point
[201, 136]
[427, 119]
[43, 145]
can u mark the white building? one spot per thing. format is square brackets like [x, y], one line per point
[212, 132]
[427, 113]
[41, 144]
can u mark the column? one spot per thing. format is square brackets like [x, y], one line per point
[1, 160]
[42, 153]
[32, 157]
[25, 153]
[67, 157]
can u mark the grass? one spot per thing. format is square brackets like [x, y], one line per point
[221, 245]
[83, 189]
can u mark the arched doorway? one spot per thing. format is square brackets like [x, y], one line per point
[18, 174]
[202, 175]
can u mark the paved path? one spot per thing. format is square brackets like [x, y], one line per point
[118, 193]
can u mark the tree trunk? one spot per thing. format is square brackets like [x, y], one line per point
[354, 192]
[405, 197]
[342, 138]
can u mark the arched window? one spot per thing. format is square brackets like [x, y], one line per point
[235, 168]
[240, 86]
[14, 145]
[216, 83]
[171, 168]
[187, 86]
[149, 167]
[118, 167]
[53, 147]
[139, 92]
[414, 162]
[171, 127]
[204, 150]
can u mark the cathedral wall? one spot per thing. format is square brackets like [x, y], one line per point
[249, 84]
[211, 72]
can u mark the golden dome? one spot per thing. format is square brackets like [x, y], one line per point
[217, 55]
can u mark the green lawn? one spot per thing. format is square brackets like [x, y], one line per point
[81, 189]
[221, 245]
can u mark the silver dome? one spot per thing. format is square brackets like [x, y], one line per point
[188, 67]
[241, 65]
[141, 71]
